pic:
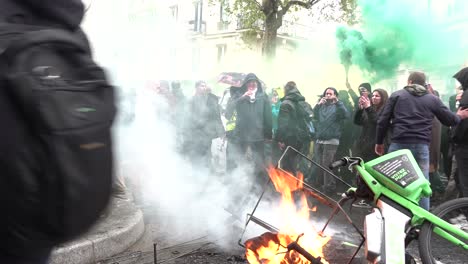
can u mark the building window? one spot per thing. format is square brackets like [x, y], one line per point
[222, 12]
[198, 21]
[175, 12]
[222, 48]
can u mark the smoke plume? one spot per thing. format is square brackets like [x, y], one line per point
[394, 33]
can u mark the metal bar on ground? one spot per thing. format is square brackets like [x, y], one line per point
[313, 162]
[263, 224]
[155, 253]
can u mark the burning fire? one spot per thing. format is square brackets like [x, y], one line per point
[271, 248]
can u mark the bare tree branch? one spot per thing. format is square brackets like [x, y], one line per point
[258, 4]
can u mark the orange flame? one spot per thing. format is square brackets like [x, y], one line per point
[271, 248]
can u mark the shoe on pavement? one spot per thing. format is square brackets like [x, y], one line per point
[362, 204]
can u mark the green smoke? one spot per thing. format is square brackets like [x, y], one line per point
[394, 33]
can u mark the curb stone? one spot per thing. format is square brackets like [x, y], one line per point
[122, 227]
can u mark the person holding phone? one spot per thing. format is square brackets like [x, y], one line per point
[329, 114]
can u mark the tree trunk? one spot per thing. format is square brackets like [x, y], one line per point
[270, 36]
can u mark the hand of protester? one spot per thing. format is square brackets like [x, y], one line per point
[281, 145]
[430, 89]
[334, 98]
[322, 101]
[463, 113]
[247, 94]
[361, 103]
[366, 103]
[379, 149]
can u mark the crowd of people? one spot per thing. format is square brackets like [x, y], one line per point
[366, 123]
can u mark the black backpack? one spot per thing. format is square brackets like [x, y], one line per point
[59, 181]
[304, 120]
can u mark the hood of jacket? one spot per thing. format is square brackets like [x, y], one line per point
[251, 77]
[293, 95]
[462, 77]
[416, 90]
[61, 13]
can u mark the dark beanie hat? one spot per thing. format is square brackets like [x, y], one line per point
[367, 86]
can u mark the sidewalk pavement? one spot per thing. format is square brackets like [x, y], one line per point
[114, 233]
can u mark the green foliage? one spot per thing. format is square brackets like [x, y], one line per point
[250, 37]
[252, 12]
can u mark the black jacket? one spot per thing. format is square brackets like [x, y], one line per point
[329, 120]
[288, 123]
[253, 119]
[367, 119]
[460, 132]
[411, 111]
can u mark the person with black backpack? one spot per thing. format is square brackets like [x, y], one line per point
[57, 109]
[295, 127]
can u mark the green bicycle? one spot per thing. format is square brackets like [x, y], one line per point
[395, 184]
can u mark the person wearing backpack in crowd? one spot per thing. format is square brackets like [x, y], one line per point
[292, 131]
[329, 114]
[56, 157]
[460, 135]
[410, 113]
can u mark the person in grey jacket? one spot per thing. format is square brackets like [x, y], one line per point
[329, 114]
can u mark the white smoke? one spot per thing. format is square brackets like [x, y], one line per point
[190, 201]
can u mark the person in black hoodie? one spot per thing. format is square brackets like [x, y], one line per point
[292, 130]
[62, 14]
[410, 113]
[460, 136]
[253, 126]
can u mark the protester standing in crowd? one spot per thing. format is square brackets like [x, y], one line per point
[329, 114]
[292, 128]
[272, 151]
[347, 140]
[275, 109]
[253, 125]
[435, 153]
[410, 112]
[451, 168]
[366, 117]
[180, 103]
[203, 125]
[354, 131]
[460, 135]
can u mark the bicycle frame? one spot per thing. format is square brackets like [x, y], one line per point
[419, 215]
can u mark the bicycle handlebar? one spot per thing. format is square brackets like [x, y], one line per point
[345, 162]
[339, 163]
